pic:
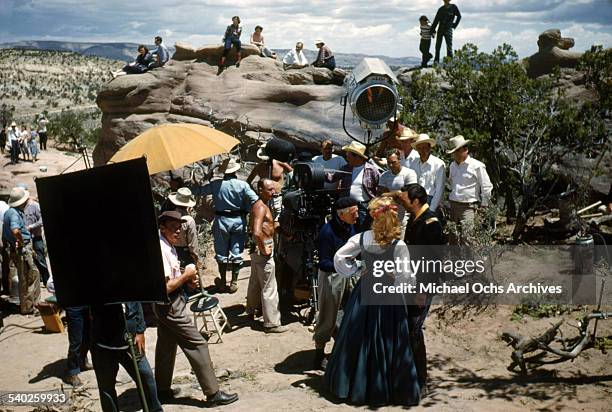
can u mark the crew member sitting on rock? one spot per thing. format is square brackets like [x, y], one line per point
[325, 58]
[161, 54]
[257, 39]
[295, 59]
[141, 65]
[232, 37]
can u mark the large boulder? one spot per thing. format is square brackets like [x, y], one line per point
[553, 51]
[259, 96]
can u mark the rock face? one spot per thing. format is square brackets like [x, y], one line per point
[552, 52]
[299, 105]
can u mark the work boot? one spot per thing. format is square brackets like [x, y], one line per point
[221, 281]
[168, 395]
[235, 272]
[221, 398]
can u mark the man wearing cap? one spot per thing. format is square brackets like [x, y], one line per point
[331, 288]
[262, 291]
[232, 201]
[175, 326]
[445, 18]
[430, 170]
[19, 239]
[329, 160]
[13, 139]
[325, 58]
[187, 245]
[469, 181]
[360, 178]
[394, 179]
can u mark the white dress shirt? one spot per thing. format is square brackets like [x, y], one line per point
[431, 175]
[172, 266]
[470, 182]
[293, 57]
[347, 265]
[409, 160]
[356, 191]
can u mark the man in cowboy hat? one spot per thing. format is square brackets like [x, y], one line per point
[15, 232]
[232, 200]
[174, 323]
[325, 58]
[470, 183]
[359, 177]
[187, 245]
[13, 139]
[430, 170]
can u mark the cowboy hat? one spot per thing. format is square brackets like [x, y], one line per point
[230, 166]
[13, 124]
[18, 197]
[423, 138]
[407, 134]
[458, 142]
[182, 197]
[319, 41]
[171, 215]
[356, 148]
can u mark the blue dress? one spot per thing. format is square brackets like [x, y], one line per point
[372, 361]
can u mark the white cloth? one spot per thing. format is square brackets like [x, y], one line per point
[470, 182]
[357, 192]
[431, 175]
[42, 126]
[396, 182]
[293, 57]
[172, 266]
[408, 161]
[335, 163]
[347, 265]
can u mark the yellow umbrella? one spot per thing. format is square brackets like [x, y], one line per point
[173, 145]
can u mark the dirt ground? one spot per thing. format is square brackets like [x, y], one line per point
[467, 359]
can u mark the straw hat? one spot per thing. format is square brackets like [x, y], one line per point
[407, 134]
[18, 197]
[457, 142]
[182, 197]
[13, 124]
[231, 165]
[423, 138]
[356, 148]
[319, 41]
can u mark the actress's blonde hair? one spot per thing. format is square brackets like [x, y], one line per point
[385, 225]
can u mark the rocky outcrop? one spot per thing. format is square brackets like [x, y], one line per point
[552, 52]
[259, 96]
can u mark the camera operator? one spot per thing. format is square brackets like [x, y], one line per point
[332, 286]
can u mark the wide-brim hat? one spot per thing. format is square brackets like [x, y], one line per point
[356, 148]
[171, 215]
[18, 197]
[13, 124]
[230, 165]
[423, 138]
[182, 197]
[408, 134]
[319, 41]
[457, 142]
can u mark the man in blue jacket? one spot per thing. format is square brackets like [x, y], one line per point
[332, 286]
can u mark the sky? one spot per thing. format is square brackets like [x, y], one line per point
[350, 26]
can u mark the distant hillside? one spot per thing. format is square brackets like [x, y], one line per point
[34, 81]
[127, 52]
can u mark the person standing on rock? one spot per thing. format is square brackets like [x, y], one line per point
[232, 38]
[295, 58]
[232, 199]
[445, 18]
[425, 43]
[325, 58]
[262, 290]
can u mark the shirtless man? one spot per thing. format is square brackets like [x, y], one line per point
[277, 174]
[262, 291]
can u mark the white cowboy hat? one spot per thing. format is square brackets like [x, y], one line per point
[229, 166]
[423, 138]
[13, 124]
[398, 114]
[18, 197]
[457, 142]
[319, 41]
[182, 197]
[356, 148]
[261, 153]
[407, 134]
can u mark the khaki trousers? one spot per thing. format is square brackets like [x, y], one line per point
[29, 277]
[176, 328]
[462, 214]
[331, 290]
[262, 291]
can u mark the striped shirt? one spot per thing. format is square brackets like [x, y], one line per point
[425, 31]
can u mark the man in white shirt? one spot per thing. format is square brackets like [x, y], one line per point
[42, 131]
[329, 161]
[394, 179]
[295, 58]
[406, 139]
[470, 183]
[13, 141]
[430, 171]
